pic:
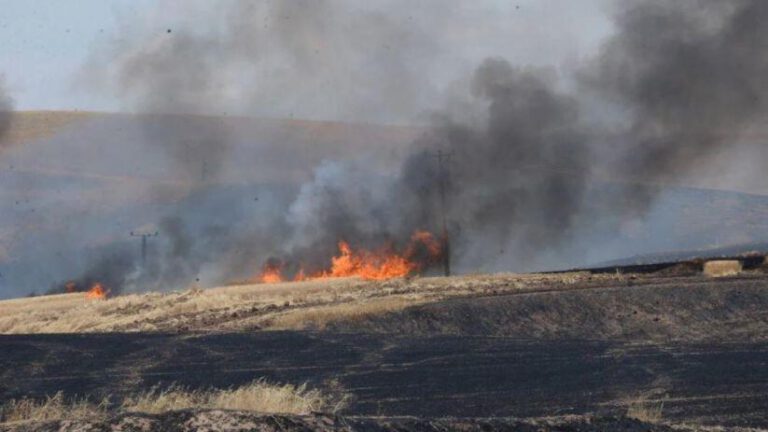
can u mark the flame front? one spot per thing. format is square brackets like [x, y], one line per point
[368, 265]
[385, 263]
[97, 291]
[272, 273]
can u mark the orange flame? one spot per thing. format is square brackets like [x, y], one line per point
[300, 276]
[368, 265]
[433, 246]
[383, 264]
[272, 273]
[97, 291]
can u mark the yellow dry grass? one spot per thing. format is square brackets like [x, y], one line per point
[52, 408]
[319, 316]
[31, 125]
[257, 396]
[722, 268]
[649, 412]
[291, 305]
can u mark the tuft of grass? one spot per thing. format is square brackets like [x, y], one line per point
[722, 268]
[258, 396]
[649, 412]
[53, 408]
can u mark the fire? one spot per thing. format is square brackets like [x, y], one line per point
[384, 263]
[272, 273]
[300, 276]
[380, 265]
[433, 246]
[97, 291]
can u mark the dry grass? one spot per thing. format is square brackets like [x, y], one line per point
[51, 409]
[257, 396]
[722, 268]
[31, 125]
[319, 317]
[291, 305]
[646, 411]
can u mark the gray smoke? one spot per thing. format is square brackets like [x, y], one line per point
[310, 59]
[688, 78]
[532, 178]
[690, 75]
[6, 114]
[517, 177]
[177, 75]
[287, 50]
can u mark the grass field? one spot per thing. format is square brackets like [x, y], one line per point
[634, 307]
[291, 305]
[32, 125]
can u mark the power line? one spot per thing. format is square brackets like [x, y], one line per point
[144, 237]
[443, 173]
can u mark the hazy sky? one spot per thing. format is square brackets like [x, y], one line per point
[47, 42]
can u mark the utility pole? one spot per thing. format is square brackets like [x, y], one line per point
[144, 237]
[443, 159]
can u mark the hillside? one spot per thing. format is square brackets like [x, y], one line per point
[28, 126]
[634, 307]
[58, 143]
[496, 346]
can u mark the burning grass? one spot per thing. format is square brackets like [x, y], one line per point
[422, 251]
[97, 292]
[257, 396]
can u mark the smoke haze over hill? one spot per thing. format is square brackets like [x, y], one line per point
[551, 164]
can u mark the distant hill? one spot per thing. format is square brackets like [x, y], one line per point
[28, 126]
[119, 145]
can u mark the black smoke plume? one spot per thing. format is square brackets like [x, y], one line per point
[688, 79]
[690, 75]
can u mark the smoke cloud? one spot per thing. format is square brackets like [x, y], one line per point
[552, 162]
[690, 75]
[688, 80]
[6, 114]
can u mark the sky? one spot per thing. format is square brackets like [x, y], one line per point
[46, 43]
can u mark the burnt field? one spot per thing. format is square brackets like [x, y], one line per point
[455, 376]
[487, 347]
